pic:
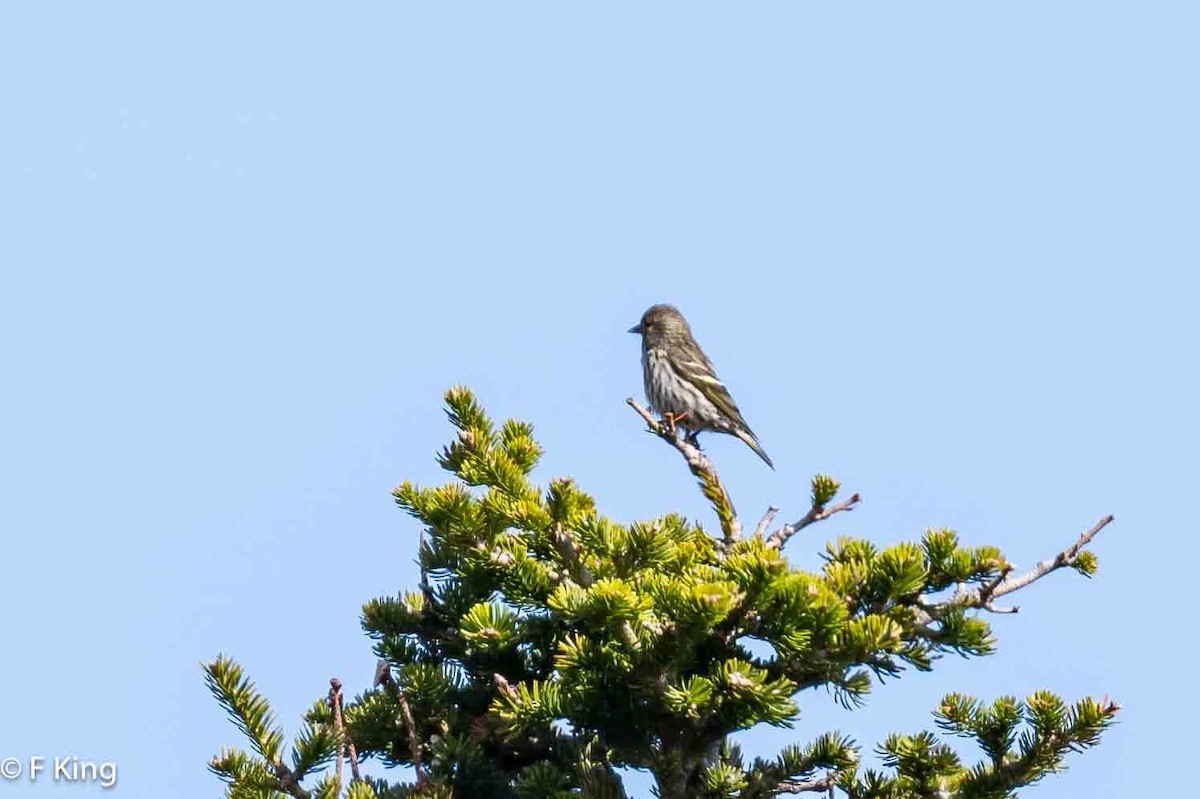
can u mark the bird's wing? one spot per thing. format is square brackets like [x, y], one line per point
[693, 365]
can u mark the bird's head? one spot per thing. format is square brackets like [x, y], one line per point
[661, 322]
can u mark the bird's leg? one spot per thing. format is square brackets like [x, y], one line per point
[693, 438]
[673, 419]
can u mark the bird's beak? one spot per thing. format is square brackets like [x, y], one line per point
[635, 329]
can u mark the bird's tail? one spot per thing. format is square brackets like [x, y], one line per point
[752, 443]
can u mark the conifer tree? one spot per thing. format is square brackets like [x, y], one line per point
[547, 646]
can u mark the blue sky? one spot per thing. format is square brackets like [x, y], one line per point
[944, 252]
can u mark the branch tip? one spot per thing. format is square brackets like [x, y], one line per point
[815, 514]
[765, 522]
[1005, 583]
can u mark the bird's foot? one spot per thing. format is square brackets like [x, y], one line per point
[672, 420]
[693, 438]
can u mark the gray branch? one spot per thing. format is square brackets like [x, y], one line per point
[345, 742]
[814, 515]
[797, 786]
[703, 469]
[765, 522]
[985, 595]
[384, 678]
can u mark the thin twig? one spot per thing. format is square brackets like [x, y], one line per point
[414, 743]
[336, 686]
[383, 676]
[335, 707]
[765, 521]
[703, 469]
[355, 774]
[825, 783]
[982, 597]
[345, 742]
[814, 515]
[989, 590]
[289, 783]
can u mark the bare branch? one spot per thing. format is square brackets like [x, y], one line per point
[414, 743]
[816, 786]
[288, 782]
[982, 597]
[814, 515]
[703, 469]
[335, 695]
[765, 521]
[383, 676]
[345, 742]
[989, 590]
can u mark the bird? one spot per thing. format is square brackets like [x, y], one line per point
[681, 383]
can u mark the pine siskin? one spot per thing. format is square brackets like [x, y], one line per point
[681, 383]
